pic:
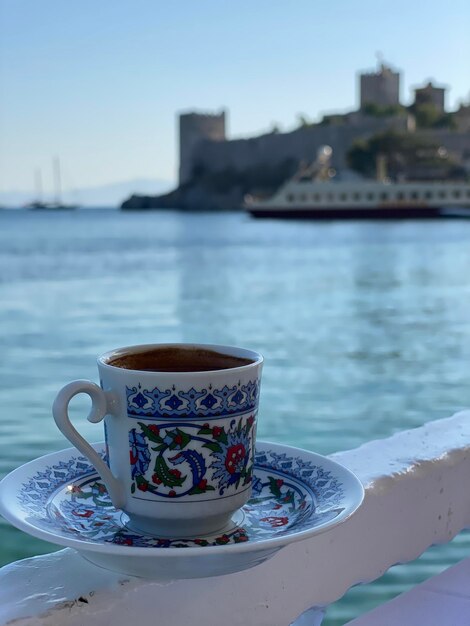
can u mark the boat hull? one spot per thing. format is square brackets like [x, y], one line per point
[357, 213]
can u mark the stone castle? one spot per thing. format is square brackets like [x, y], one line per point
[215, 171]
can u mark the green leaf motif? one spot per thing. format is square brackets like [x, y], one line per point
[223, 437]
[83, 495]
[247, 475]
[204, 431]
[150, 435]
[289, 498]
[195, 490]
[250, 422]
[180, 439]
[274, 487]
[215, 447]
[163, 472]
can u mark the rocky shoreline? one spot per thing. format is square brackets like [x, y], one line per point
[194, 198]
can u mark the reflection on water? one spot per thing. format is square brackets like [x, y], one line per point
[365, 327]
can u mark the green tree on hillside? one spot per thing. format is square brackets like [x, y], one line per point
[427, 115]
[403, 153]
[377, 110]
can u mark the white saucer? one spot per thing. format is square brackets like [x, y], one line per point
[296, 494]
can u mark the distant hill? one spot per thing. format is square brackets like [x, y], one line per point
[110, 195]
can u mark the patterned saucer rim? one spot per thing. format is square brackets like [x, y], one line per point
[352, 488]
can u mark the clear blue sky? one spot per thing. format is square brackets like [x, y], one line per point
[99, 83]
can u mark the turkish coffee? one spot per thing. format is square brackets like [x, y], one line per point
[178, 359]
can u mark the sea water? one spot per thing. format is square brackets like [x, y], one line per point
[365, 328]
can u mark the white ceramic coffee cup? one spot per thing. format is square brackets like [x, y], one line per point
[180, 445]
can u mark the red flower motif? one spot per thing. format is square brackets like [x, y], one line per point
[142, 486]
[156, 479]
[75, 489]
[250, 420]
[87, 513]
[279, 482]
[126, 541]
[216, 431]
[223, 539]
[175, 472]
[163, 543]
[201, 542]
[206, 425]
[172, 493]
[277, 506]
[202, 484]
[154, 428]
[235, 456]
[178, 440]
[275, 521]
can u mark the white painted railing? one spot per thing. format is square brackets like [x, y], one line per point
[416, 496]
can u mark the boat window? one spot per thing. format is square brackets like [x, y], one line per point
[370, 195]
[442, 193]
[456, 193]
[414, 195]
[317, 197]
[428, 194]
[290, 197]
[356, 195]
[400, 195]
[383, 195]
[330, 196]
[343, 197]
[302, 197]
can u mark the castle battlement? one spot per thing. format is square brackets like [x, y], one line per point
[381, 87]
[193, 128]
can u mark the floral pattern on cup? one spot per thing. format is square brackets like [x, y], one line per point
[289, 495]
[171, 460]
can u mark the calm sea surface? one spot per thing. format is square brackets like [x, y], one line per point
[365, 328]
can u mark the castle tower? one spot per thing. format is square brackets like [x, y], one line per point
[381, 88]
[194, 127]
[430, 94]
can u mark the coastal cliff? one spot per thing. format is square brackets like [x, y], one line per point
[190, 198]
[222, 190]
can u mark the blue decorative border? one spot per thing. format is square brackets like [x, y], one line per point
[205, 403]
[289, 495]
[36, 492]
[326, 487]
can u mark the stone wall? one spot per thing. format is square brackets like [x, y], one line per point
[456, 143]
[301, 145]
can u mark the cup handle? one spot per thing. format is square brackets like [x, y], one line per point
[98, 411]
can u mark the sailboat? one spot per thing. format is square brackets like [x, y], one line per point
[57, 204]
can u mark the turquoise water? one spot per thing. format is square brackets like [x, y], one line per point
[365, 328]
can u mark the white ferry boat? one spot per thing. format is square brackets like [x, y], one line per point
[317, 194]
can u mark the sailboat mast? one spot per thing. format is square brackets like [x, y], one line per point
[57, 181]
[38, 185]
